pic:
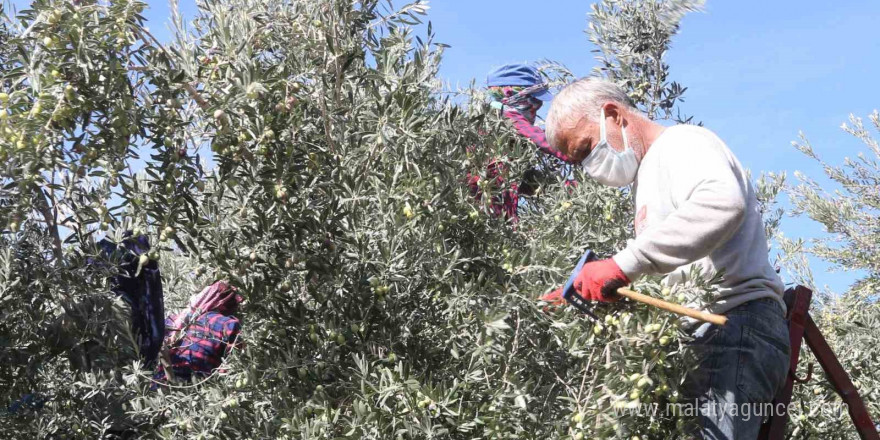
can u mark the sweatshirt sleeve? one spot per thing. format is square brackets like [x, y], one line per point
[535, 134]
[710, 204]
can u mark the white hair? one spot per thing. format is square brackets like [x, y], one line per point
[582, 99]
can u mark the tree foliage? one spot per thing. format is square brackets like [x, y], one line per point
[631, 39]
[304, 151]
[849, 215]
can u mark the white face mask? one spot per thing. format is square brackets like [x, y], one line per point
[608, 166]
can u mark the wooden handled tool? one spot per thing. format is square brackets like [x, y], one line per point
[570, 295]
[672, 307]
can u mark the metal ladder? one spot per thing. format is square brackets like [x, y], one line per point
[801, 327]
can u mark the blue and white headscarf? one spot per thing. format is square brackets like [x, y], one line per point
[518, 98]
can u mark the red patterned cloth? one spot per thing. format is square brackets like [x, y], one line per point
[200, 351]
[504, 203]
[507, 202]
[521, 108]
[197, 339]
[535, 134]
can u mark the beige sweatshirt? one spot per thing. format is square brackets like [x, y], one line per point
[696, 206]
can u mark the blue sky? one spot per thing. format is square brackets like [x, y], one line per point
[757, 72]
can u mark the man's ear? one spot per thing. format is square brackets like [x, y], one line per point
[613, 110]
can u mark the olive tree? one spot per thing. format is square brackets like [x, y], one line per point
[304, 151]
[847, 207]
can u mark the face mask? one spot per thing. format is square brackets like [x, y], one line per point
[608, 166]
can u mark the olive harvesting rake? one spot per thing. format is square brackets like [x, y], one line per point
[801, 327]
[571, 295]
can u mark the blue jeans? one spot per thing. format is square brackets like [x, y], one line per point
[738, 368]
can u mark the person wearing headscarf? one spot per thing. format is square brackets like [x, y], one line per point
[518, 91]
[197, 339]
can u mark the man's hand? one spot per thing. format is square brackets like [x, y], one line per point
[599, 281]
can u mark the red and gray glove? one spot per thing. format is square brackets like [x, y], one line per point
[554, 299]
[599, 281]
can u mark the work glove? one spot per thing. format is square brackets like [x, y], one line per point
[599, 281]
[553, 299]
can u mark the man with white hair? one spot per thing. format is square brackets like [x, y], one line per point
[695, 208]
